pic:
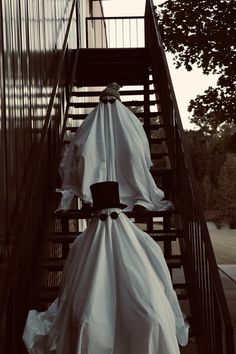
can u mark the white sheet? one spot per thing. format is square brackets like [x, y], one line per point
[111, 145]
[116, 297]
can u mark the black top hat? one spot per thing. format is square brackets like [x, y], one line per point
[106, 195]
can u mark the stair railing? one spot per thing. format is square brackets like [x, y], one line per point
[213, 326]
[115, 32]
[18, 283]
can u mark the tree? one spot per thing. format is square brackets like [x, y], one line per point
[203, 33]
[214, 164]
[197, 143]
[208, 153]
[226, 193]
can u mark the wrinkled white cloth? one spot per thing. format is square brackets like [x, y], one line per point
[111, 145]
[66, 199]
[116, 297]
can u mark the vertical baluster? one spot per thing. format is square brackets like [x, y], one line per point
[123, 41]
[137, 33]
[130, 33]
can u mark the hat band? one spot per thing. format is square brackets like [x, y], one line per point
[108, 204]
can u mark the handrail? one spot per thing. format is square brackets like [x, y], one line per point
[49, 112]
[33, 212]
[115, 18]
[63, 130]
[57, 81]
[115, 32]
[218, 337]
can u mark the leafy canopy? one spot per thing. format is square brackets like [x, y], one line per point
[214, 163]
[203, 33]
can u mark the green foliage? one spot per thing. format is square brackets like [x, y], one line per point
[226, 196]
[214, 165]
[197, 143]
[212, 109]
[203, 33]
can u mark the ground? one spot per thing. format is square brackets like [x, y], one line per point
[224, 245]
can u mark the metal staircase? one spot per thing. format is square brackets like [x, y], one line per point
[131, 68]
[182, 233]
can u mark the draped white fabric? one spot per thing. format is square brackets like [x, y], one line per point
[111, 145]
[116, 297]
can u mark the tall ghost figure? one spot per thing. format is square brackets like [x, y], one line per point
[111, 145]
[116, 294]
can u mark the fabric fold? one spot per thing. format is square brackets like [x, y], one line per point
[116, 297]
[111, 145]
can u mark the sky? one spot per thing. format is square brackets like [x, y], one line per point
[187, 85]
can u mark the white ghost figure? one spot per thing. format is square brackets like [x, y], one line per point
[116, 296]
[111, 145]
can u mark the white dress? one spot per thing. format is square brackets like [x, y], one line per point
[116, 297]
[111, 145]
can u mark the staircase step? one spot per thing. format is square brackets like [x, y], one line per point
[76, 116]
[97, 67]
[181, 290]
[78, 214]
[165, 236]
[129, 77]
[159, 155]
[161, 235]
[153, 126]
[57, 264]
[101, 54]
[94, 104]
[122, 93]
[115, 66]
[59, 237]
[161, 172]
[108, 56]
[136, 92]
[48, 294]
[53, 264]
[174, 262]
[68, 238]
[154, 141]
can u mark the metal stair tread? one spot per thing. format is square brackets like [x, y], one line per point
[156, 140]
[65, 238]
[122, 53]
[181, 291]
[57, 264]
[80, 116]
[155, 171]
[94, 104]
[48, 291]
[122, 93]
[134, 78]
[159, 155]
[78, 214]
[153, 126]
[134, 63]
